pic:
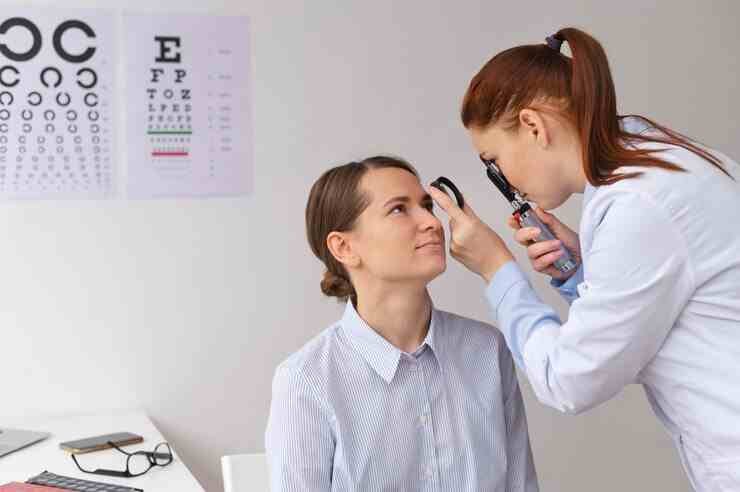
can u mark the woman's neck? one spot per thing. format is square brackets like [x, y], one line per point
[401, 316]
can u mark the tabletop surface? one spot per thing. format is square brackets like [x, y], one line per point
[47, 455]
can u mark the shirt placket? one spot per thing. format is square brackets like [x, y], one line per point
[429, 475]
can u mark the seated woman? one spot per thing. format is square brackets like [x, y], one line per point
[396, 395]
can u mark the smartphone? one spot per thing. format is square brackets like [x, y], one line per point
[97, 443]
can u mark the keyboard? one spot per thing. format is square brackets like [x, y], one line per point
[69, 483]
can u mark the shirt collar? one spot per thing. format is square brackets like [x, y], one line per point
[378, 352]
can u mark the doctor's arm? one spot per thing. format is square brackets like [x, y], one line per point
[637, 279]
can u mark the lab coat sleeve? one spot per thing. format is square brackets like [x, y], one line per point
[299, 442]
[637, 279]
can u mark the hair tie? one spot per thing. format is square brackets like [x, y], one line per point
[554, 42]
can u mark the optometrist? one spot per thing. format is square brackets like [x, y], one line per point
[655, 291]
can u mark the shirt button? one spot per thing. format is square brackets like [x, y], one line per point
[424, 419]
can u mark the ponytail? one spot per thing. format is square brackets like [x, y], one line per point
[582, 84]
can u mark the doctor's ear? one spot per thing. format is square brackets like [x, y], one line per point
[340, 247]
[532, 122]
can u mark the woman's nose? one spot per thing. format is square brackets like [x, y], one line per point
[430, 221]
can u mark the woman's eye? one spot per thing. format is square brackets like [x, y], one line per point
[400, 208]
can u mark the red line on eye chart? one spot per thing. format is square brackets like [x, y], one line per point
[170, 154]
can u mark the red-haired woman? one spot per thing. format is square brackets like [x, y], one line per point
[655, 295]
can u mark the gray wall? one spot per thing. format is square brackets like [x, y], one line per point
[210, 295]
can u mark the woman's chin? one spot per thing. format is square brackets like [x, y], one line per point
[436, 270]
[428, 272]
[421, 272]
[551, 203]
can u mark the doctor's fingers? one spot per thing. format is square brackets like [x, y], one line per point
[526, 235]
[543, 263]
[513, 223]
[451, 208]
[536, 250]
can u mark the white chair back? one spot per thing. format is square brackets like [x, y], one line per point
[245, 473]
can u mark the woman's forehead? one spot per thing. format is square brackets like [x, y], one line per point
[383, 184]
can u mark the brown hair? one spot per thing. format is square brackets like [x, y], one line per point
[334, 204]
[524, 76]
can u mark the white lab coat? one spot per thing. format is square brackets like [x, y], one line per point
[656, 302]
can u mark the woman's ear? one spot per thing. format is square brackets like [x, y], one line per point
[532, 123]
[340, 247]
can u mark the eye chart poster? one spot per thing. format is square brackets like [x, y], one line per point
[187, 105]
[57, 104]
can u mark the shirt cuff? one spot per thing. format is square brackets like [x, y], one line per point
[568, 289]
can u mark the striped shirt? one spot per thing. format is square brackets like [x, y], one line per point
[352, 412]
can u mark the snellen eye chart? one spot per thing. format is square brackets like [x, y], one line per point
[96, 104]
[57, 124]
[188, 131]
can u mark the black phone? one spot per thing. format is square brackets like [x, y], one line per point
[96, 443]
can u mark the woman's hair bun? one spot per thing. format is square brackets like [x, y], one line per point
[334, 285]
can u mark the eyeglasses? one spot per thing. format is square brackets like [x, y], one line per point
[137, 463]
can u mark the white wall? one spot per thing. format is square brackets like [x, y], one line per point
[209, 295]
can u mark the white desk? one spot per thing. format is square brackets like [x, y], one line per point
[46, 455]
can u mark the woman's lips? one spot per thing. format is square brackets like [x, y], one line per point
[433, 246]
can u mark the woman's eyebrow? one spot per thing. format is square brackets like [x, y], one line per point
[405, 199]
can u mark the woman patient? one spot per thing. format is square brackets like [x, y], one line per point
[396, 395]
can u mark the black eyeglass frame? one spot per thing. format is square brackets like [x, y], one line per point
[151, 456]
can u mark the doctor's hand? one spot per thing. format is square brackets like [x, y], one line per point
[472, 242]
[543, 254]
